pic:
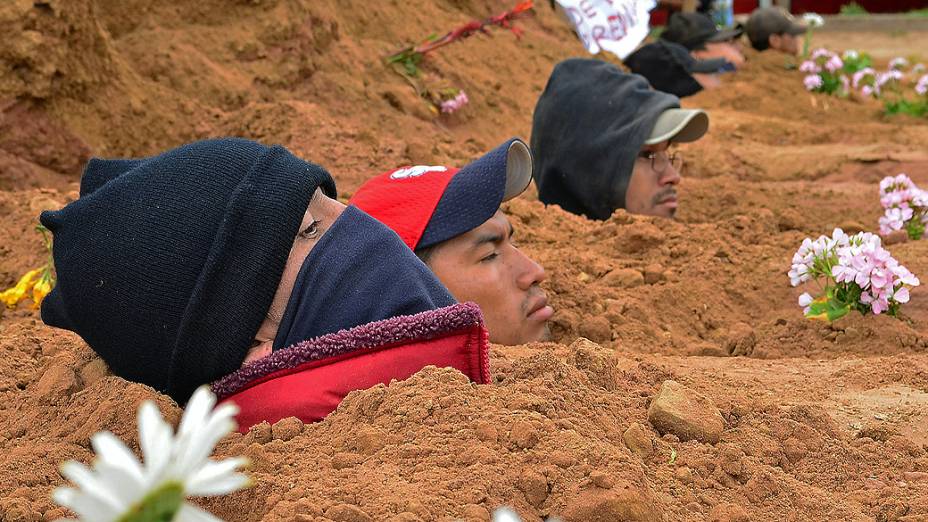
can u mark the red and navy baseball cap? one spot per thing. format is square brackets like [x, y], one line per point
[426, 205]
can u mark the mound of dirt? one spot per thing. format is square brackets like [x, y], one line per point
[818, 422]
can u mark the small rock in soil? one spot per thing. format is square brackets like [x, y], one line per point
[682, 412]
[638, 439]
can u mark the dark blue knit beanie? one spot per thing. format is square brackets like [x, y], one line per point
[167, 265]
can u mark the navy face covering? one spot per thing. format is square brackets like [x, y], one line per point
[358, 272]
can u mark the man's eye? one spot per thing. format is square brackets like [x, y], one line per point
[310, 231]
[490, 257]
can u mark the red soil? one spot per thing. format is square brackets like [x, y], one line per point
[820, 422]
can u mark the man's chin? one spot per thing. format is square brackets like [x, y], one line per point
[540, 335]
[537, 335]
[545, 334]
[663, 211]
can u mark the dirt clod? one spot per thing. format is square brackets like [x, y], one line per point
[286, 429]
[624, 278]
[682, 412]
[639, 439]
[57, 381]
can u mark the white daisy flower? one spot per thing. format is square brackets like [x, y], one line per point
[505, 514]
[120, 488]
[813, 19]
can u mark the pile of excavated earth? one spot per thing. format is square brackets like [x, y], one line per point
[683, 382]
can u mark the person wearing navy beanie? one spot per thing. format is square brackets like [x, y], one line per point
[175, 268]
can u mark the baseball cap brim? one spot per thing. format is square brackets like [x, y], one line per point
[796, 29]
[518, 169]
[725, 35]
[708, 66]
[476, 191]
[679, 126]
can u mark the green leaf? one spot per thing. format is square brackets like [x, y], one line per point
[160, 505]
[827, 308]
[902, 106]
[915, 228]
[835, 313]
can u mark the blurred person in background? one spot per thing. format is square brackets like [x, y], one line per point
[669, 67]
[604, 139]
[699, 34]
[774, 28]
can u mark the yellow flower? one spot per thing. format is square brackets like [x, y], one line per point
[13, 295]
[41, 289]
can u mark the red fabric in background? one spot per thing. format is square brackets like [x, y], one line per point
[873, 6]
[745, 6]
[659, 16]
[312, 390]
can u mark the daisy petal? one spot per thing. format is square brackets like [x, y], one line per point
[86, 507]
[222, 485]
[198, 446]
[91, 485]
[111, 450]
[197, 410]
[211, 471]
[218, 478]
[155, 439]
[190, 513]
[123, 483]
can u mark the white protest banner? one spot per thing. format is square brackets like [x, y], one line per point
[617, 26]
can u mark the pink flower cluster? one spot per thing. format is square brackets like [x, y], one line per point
[888, 76]
[830, 73]
[851, 266]
[866, 80]
[812, 82]
[806, 261]
[898, 63]
[882, 280]
[821, 52]
[921, 87]
[834, 64]
[454, 104]
[902, 201]
[810, 67]
[824, 72]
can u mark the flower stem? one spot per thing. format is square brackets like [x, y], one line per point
[160, 505]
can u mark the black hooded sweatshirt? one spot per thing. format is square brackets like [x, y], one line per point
[588, 128]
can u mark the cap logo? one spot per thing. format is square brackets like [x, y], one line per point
[414, 172]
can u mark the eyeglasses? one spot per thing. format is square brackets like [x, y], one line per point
[660, 160]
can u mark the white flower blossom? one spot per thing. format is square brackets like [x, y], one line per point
[898, 63]
[813, 20]
[119, 487]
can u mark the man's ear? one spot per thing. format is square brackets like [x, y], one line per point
[774, 41]
[259, 350]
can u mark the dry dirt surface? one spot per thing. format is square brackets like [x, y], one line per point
[683, 383]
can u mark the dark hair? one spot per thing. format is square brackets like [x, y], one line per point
[762, 45]
[425, 254]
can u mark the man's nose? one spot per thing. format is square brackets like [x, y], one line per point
[671, 176]
[530, 273]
